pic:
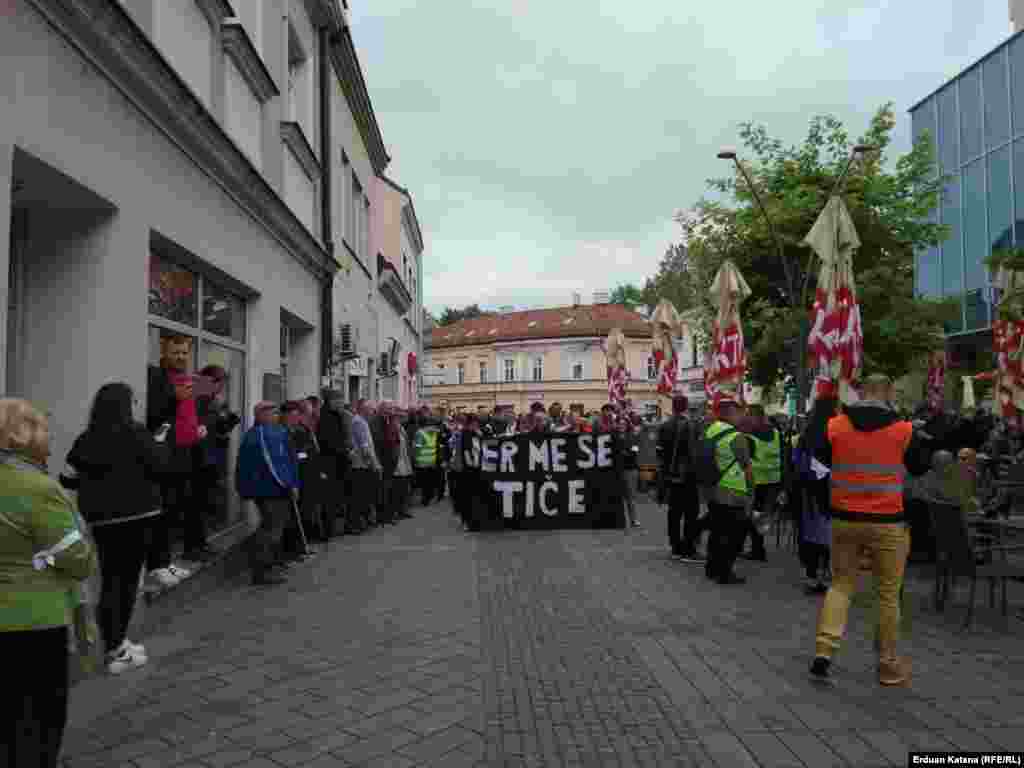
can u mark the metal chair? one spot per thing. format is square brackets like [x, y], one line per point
[960, 553]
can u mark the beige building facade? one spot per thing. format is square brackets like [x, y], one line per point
[510, 361]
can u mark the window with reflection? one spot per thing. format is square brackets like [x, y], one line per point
[172, 291]
[952, 257]
[997, 100]
[1000, 200]
[927, 273]
[1017, 84]
[1018, 189]
[223, 312]
[949, 141]
[970, 115]
[976, 242]
[922, 122]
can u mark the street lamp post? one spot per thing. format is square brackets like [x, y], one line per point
[799, 303]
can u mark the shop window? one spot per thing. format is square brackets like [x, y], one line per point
[172, 292]
[223, 313]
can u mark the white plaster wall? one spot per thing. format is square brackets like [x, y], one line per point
[303, 108]
[299, 190]
[122, 157]
[243, 113]
[183, 34]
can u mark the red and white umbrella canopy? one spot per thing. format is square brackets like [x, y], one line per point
[836, 341]
[618, 372]
[728, 349]
[666, 326]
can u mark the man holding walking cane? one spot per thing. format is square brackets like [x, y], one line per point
[268, 474]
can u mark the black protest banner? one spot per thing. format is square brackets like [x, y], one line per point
[544, 480]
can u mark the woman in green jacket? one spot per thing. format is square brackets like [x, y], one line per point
[44, 555]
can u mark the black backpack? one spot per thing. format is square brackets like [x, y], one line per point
[705, 463]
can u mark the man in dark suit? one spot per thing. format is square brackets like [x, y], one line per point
[677, 484]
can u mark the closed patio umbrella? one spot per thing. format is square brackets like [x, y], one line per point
[728, 349]
[666, 325]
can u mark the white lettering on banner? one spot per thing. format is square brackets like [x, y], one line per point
[545, 489]
[539, 455]
[528, 512]
[489, 460]
[584, 443]
[558, 455]
[507, 488]
[508, 453]
[576, 505]
[604, 450]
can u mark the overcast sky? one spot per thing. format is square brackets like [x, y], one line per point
[547, 143]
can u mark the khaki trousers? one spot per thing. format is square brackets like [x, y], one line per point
[887, 546]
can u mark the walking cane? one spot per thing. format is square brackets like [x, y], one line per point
[302, 530]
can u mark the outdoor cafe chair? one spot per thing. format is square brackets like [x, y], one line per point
[960, 553]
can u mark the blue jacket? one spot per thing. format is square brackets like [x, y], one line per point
[267, 467]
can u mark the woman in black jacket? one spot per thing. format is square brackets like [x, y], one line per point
[114, 466]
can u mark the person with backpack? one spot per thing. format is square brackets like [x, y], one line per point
[677, 486]
[723, 467]
[766, 440]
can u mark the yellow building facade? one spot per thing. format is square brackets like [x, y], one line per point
[512, 360]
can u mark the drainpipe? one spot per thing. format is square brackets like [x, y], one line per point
[327, 289]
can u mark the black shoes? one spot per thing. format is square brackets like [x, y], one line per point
[821, 670]
[268, 577]
[760, 557]
[727, 580]
[203, 554]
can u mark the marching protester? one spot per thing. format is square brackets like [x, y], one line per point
[267, 473]
[731, 498]
[813, 464]
[766, 440]
[870, 447]
[677, 486]
[45, 556]
[115, 466]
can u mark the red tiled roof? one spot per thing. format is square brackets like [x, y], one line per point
[560, 322]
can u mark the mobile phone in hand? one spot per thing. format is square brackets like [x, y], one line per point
[161, 434]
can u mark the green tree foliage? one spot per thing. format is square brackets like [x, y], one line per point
[889, 204]
[628, 295]
[453, 315]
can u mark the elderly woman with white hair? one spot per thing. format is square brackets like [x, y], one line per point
[44, 556]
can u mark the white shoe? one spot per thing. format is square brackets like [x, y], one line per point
[135, 648]
[164, 577]
[179, 573]
[124, 660]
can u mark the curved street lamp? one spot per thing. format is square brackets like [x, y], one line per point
[728, 153]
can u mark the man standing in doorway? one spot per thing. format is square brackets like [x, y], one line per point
[677, 484]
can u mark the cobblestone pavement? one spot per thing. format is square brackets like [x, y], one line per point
[420, 645]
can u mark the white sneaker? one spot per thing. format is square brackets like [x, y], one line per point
[135, 648]
[180, 573]
[123, 660]
[164, 577]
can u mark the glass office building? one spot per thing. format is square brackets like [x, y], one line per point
[977, 124]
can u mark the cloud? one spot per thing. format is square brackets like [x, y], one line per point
[548, 144]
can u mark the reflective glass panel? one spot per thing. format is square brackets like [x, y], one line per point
[928, 276]
[976, 242]
[1017, 84]
[970, 115]
[172, 291]
[976, 310]
[997, 101]
[1000, 201]
[223, 312]
[949, 141]
[952, 257]
[1018, 187]
[922, 121]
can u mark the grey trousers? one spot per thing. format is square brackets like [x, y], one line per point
[265, 543]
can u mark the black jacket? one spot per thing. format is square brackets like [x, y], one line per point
[115, 473]
[667, 446]
[162, 408]
[219, 422]
[334, 436]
